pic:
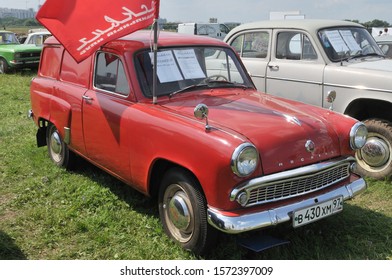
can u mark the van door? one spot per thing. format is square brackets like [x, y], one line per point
[105, 116]
[296, 68]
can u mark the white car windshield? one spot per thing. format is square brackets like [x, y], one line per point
[8, 38]
[344, 43]
[189, 68]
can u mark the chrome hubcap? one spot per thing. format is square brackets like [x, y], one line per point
[55, 146]
[376, 152]
[178, 212]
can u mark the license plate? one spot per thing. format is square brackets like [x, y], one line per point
[316, 212]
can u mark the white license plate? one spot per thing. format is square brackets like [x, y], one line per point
[316, 212]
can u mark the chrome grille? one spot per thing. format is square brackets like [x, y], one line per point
[295, 186]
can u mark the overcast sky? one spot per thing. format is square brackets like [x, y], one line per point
[253, 10]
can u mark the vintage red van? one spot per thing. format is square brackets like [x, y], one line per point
[217, 154]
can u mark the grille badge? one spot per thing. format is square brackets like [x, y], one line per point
[310, 146]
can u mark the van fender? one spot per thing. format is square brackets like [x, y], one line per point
[60, 116]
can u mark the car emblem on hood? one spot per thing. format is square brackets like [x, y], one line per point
[292, 119]
[309, 145]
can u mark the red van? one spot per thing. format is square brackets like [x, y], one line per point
[217, 154]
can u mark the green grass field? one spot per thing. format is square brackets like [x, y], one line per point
[51, 214]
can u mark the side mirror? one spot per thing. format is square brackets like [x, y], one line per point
[331, 96]
[201, 112]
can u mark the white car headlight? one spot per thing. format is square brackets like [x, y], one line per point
[244, 160]
[358, 136]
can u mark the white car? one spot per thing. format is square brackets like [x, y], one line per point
[37, 37]
[385, 43]
[328, 63]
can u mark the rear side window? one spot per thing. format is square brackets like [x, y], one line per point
[110, 74]
[73, 72]
[50, 61]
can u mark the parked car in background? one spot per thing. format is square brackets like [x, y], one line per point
[213, 30]
[320, 61]
[37, 37]
[385, 43]
[14, 55]
[218, 154]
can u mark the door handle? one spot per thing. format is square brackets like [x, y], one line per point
[87, 98]
[273, 67]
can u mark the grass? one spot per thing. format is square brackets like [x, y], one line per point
[52, 214]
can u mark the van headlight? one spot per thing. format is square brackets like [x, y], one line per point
[244, 160]
[358, 136]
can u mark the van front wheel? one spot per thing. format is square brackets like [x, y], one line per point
[183, 213]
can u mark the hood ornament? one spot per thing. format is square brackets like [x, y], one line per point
[310, 146]
[292, 119]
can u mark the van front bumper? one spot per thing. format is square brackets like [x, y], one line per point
[241, 223]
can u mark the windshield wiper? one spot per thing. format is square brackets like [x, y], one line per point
[191, 87]
[209, 84]
[360, 55]
[219, 83]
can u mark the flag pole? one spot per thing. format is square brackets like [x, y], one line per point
[155, 49]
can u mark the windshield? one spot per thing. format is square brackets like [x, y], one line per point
[189, 68]
[8, 38]
[343, 43]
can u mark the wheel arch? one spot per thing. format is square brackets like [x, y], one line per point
[158, 171]
[366, 108]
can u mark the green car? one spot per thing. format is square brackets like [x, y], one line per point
[14, 55]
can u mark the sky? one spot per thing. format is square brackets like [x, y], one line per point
[253, 10]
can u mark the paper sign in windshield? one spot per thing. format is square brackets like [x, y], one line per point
[350, 40]
[167, 69]
[189, 64]
[336, 41]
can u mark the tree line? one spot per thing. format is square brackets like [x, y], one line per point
[11, 21]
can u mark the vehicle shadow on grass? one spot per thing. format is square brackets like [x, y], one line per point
[8, 249]
[355, 234]
[124, 192]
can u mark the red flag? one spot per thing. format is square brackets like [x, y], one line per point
[82, 26]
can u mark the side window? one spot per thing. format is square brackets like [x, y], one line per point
[110, 74]
[253, 45]
[74, 72]
[294, 46]
[50, 62]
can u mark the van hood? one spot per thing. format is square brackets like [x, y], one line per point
[278, 129]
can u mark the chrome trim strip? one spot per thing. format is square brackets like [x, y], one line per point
[296, 80]
[271, 217]
[357, 87]
[67, 135]
[257, 76]
[325, 84]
